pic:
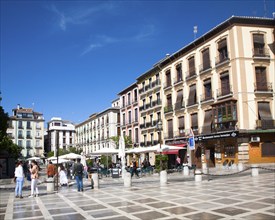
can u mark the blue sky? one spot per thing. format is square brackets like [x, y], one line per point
[70, 59]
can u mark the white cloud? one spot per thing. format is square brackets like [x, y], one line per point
[90, 48]
[79, 15]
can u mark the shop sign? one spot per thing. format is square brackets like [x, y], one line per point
[217, 136]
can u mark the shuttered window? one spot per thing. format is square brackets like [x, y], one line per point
[170, 128]
[206, 59]
[192, 95]
[261, 81]
[191, 62]
[207, 122]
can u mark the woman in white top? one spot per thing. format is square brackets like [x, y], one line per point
[19, 174]
[63, 176]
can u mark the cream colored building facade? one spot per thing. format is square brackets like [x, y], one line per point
[26, 129]
[221, 87]
[95, 133]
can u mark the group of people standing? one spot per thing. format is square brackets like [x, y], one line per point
[19, 176]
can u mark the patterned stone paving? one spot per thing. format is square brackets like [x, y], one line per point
[239, 197]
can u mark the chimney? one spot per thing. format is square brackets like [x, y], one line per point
[18, 106]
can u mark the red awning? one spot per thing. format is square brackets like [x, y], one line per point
[184, 146]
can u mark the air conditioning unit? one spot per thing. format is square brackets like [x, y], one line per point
[255, 139]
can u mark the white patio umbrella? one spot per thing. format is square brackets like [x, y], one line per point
[105, 151]
[70, 156]
[155, 148]
[60, 161]
[52, 158]
[34, 158]
[121, 154]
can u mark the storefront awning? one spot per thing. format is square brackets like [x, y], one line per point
[184, 146]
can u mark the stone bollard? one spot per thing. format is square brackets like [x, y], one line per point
[127, 179]
[95, 181]
[50, 184]
[198, 176]
[240, 167]
[254, 170]
[186, 171]
[163, 177]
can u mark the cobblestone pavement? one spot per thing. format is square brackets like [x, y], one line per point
[232, 197]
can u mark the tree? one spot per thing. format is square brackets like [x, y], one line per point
[6, 144]
[127, 139]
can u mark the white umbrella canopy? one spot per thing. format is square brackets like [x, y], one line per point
[70, 156]
[51, 158]
[34, 158]
[155, 148]
[105, 151]
[60, 161]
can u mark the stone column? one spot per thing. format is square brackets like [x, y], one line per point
[95, 180]
[185, 171]
[254, 170]
[198, 176]
[163, 177]
[127, 179]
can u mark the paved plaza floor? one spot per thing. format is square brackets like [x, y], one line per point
[236, 197]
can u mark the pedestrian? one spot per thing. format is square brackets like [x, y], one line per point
[134, 168]
[51, 170]
[63, 180]
[19, 180]
[34, 178]
[78, 173]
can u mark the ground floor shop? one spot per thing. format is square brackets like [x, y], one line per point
[230, 148]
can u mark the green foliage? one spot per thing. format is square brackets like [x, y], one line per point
[105, 159]
[127, 139]
[62, 151]
[89, 162]
[6, 144]
[164, 161]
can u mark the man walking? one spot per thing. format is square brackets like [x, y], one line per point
[78, 173]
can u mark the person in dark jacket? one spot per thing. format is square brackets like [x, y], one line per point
[78, 173]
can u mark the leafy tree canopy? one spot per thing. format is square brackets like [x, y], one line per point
[127, 139]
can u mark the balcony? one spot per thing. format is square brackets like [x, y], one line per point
[20, 127]
[222, 59]
[224, 126]
[179, 105]
[29, 127]
[38, 147]
[260, 53]
[191, 73]
[263, 87]
[168, 109]
[179, 133]
[38, 137]
[20, 136]
[191, 102]
[224, 91]
[205, 67]
[265, 124]
[178, 80]
[206, 97]
[169, 135]
[167, 85]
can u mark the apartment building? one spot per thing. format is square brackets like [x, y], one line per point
[60, 133]
[26, 129]
[219, 86]
[95, 133]
[129, 111]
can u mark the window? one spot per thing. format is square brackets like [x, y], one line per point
[206, 59]
[168, 78]
[207, 90]
[170, 128]
[20, 143]
[265, 116]
[225, 116]
[229, 151]
[123, 119]
[144, 121]
[28, 125]
[123, 101]
[191, 64]
[28, 144]
[194, 122]
[28, 134]
[136, 115]
[192, 100]
[158, 116]
[130, 134]
[151, 120]
[129, 98]
[179, 101]
[225, 85]
[130, 117]
[157, 79]
[136, 135]
[20, 124]
[261, 82]
[222, 51]
[144, 104]
[150, 83]
[206, 129]
[152, 138]
[158, 98]
[169, 106]
[259, 45]
[181, 126]
[150, 102]
[179, 72]
[135, 95]
[268, 149]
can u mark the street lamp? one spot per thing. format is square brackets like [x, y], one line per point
[159, 128]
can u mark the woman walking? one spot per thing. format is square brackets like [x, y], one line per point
[34, 178]
[19, 179]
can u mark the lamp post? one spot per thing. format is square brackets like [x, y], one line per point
[159, 128]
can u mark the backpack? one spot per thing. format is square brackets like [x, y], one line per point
[79, 169]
